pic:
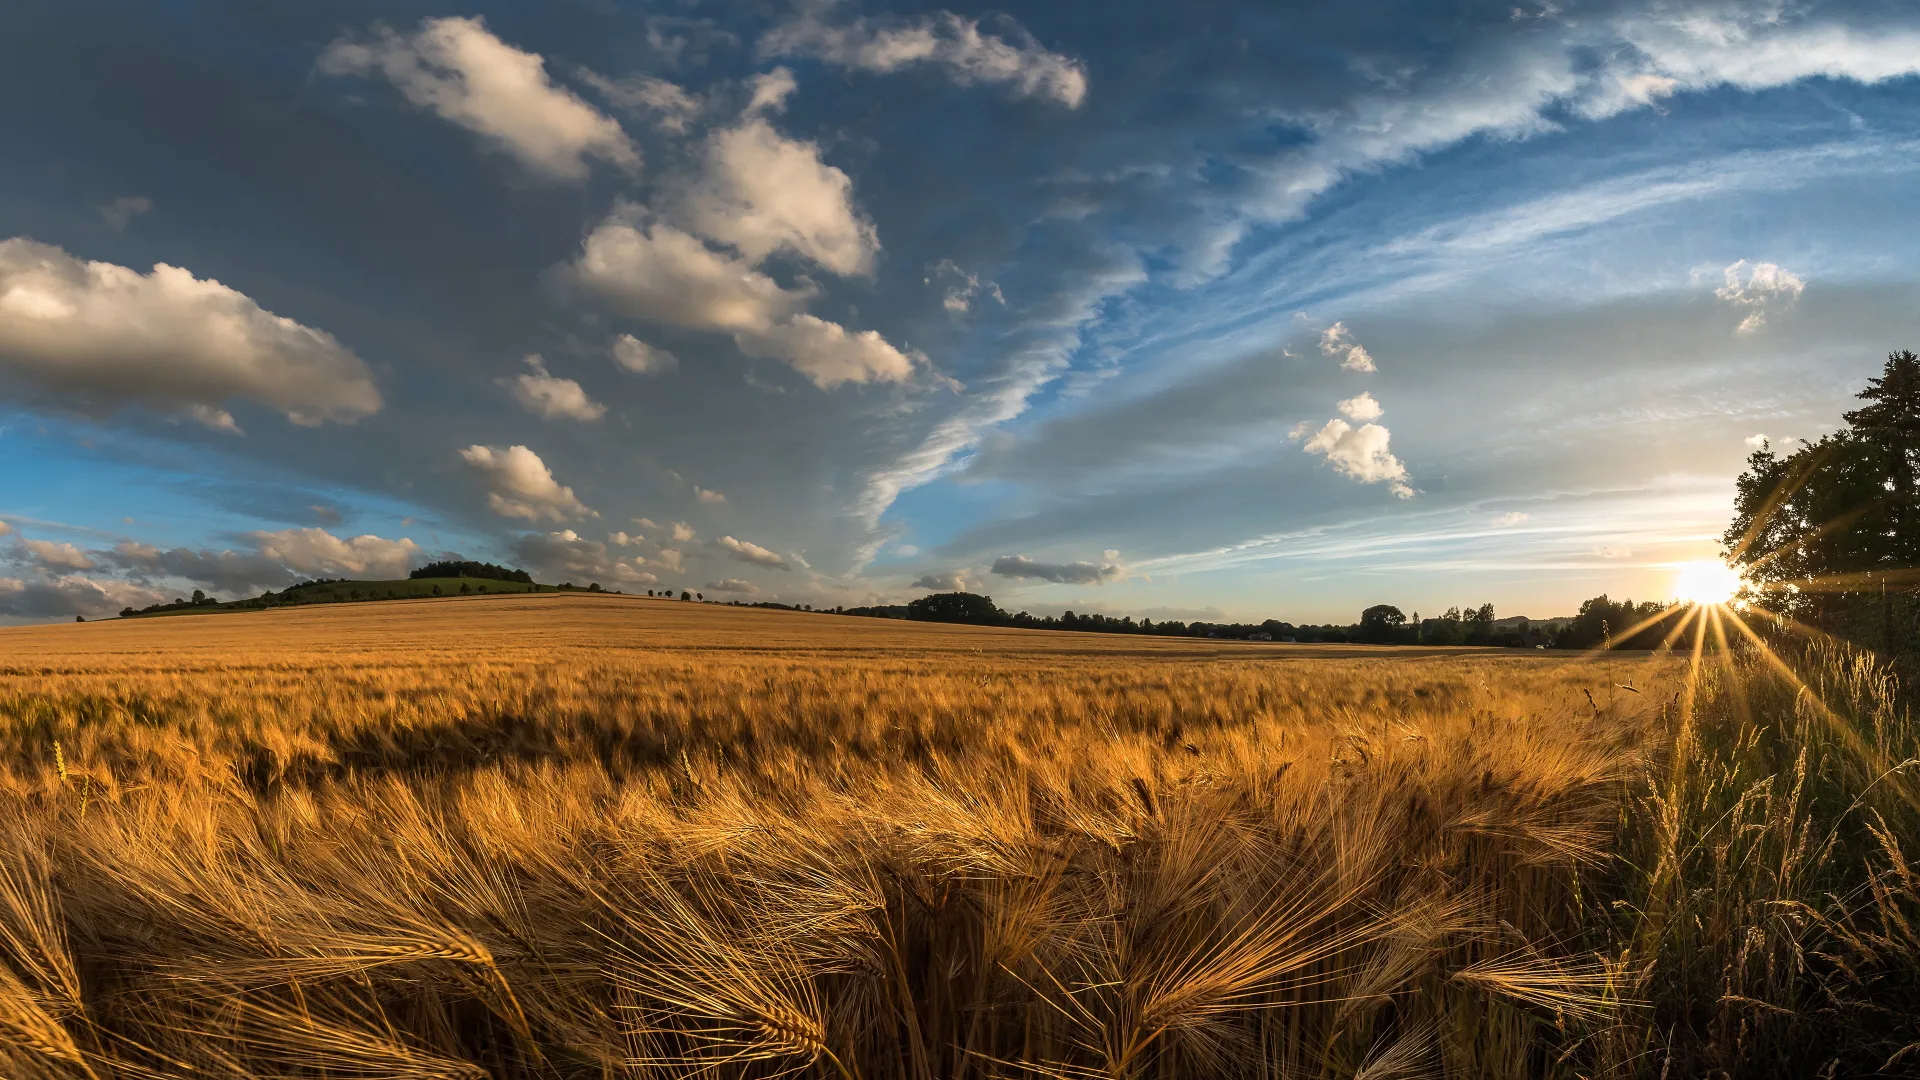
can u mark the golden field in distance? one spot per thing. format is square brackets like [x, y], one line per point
[596, 836]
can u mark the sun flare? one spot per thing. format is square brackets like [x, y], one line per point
[1705, 581]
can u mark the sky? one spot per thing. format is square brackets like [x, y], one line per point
[1197, 311]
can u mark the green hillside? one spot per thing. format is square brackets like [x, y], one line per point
[347, 592]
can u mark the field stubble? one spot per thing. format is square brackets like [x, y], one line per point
[601, 836]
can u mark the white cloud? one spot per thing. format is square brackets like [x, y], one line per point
[54, 556]
[1780, 444]
[828, 354]
[103, 334]
[764, 192]
[645, 523]
[1511, 518]
[519, 485]
[733, 586]
[621, 539]
[962, 287]
[566, 555]
[552, 398]
[1361, 453]
[747, 552]
[461, 71]
[771, 91]
[1612, 551]
[1109, 568]
[944, 39]
[121, 211]
[669, 559]
[1363, 407]
[317, 551]
[641, 358]
[942, 581]
[682, 533]
[667, 276]
[708, 495]
[1336, 340]
[1760, 289]
[667, 104]
[907, 551]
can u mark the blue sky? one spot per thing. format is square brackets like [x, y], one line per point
[1200, 310]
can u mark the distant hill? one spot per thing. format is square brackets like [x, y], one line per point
[345, 591]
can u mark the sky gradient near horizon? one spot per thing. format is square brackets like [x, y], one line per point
[1188, 311]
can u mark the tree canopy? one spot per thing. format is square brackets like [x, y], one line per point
[470, 569]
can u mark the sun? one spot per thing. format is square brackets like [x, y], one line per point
[1705, 581]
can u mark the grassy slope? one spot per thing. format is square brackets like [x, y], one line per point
[351, 591]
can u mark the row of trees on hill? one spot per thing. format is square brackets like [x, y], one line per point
[449, 568]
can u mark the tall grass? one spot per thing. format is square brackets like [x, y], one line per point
[946, 856]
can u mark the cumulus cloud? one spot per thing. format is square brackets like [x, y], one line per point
[104, 335]
[659, 273]
[72, 594]
[1361, 453]
[55, 556]
[1109, 568]
[734, 587]
[552, 398]
[950, 42]
[317, 551]
[962, 287]
[621, 539]
[828, 354]
[121, 211]
[682, 533]
[669, 559]
[641, 358]
[708, 495]
[569, 556]
[224, 571]
[764, 192]
[645, 523]
[1337, 340]
[769, 92]
[461, 71]
[1784, 443]
[942, 581]
[747, 552]
[667, 104]
[1759, 288]
[1363, 407]
[519, 485]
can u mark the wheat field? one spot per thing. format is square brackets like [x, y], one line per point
[598, 836]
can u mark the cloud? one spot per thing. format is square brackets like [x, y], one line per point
[73, 594]
[317, 551]
[945, 40]
[5, 528]
[942, 581]
[566, 555]
[669, 559]
[645, 523]
[325, 515]
[519, 485]
[764, 192]
[1335, 340]
[54, 556]
[962, 287]
[667, 104]
[1611, 551]
[733, 586]
[552, 398]
[641, 358]
[682, 533]
[121, 211]
[907, 551]
[1511, 518]
[225, 571]
[664, 275]
[1073, 573]
[1361, 453]
[707, 495]
[104, 335]
[621, 539]
[461, 71]
[828, 354]
[771, 91]
[1761, 288]
[746, 552]
[1363, 407]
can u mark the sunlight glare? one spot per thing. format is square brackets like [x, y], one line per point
[1706, 581]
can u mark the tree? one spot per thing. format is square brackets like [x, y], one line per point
[1379, 622]
[199, 597]
[1889, 431]
[959, 607]
[685, 595]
